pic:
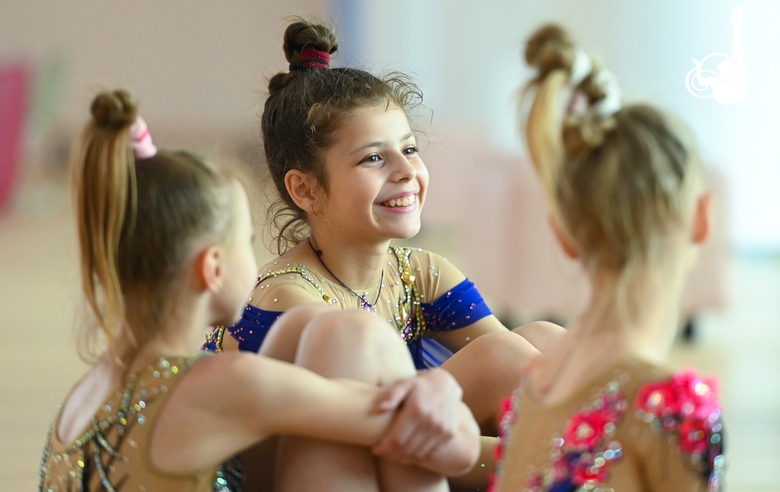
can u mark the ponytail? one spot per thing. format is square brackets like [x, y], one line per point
[615, 177]
[140, 213]
[103, 175]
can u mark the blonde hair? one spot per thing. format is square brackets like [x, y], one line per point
[137, 222]
[616, 183]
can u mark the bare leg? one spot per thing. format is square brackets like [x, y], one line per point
[540, 334]
[488, 369]
[281, 344]
[360, 346]
[282, 341]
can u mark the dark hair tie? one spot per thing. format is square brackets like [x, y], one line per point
[311, 58]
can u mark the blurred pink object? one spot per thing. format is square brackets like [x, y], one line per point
[497, 206]
[143, 148]
[14, 89]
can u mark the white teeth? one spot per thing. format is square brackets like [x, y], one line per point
[401, 202]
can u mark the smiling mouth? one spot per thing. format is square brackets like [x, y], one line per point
[401, 202]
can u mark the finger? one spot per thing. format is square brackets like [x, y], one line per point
[429, 435]
[415, 447]
[429, 445]
[397, 434]
[393, 396]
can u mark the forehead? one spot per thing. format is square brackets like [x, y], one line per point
[379, 123]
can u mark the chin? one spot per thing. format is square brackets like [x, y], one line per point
[407, 233]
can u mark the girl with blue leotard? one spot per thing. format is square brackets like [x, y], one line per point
[165, 242]
[345, 163]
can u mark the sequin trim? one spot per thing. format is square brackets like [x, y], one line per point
[686, 408]
[582, 454]
[411, 321]
[93, 453]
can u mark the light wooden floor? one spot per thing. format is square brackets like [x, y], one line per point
[39, 288]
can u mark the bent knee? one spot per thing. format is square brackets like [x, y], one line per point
[502, 350]
[540, 334]
[282, 339]
[354, 327]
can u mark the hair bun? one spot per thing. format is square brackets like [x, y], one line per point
[115, 109]
[301, 34]
[550, 48]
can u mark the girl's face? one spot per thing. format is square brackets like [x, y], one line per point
[376, 179]
[240, 265]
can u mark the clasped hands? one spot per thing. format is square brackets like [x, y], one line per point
[427, 415]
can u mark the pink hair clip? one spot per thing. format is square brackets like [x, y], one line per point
[143, 148]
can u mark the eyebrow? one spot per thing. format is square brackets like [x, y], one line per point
[379, 143]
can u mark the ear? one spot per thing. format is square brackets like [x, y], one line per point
[302, 189]
[702, 221]
[209, 269]
[564, 240]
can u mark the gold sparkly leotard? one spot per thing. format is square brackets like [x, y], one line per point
[113, 453]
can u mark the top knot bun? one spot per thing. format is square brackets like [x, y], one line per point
[550, 48]
[116, 109]
[301, 34]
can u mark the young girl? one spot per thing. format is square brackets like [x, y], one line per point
[166, 250]
[597, 410]
[345, 163]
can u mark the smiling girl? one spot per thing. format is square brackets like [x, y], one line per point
[165, 243]
[345, 163]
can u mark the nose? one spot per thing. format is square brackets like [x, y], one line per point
[403, 169]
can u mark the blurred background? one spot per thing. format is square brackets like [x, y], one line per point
[199, 70]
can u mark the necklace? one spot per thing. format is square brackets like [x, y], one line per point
[368, 306]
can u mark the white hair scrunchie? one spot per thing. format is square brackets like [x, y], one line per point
[611, 103]
[580, 68]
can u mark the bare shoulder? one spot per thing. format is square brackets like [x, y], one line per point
[281, 292]
[434, 273]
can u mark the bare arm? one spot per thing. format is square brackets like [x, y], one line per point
[258, 397]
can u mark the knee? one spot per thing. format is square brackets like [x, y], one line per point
[502, 351]
[354, 328]
[354, 344]
[540, 334]
[282, 340]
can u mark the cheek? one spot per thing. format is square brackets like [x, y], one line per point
[423, 178]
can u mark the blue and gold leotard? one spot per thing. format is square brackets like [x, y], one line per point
[409, 281]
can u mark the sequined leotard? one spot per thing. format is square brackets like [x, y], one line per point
[411, 299]
[113, 453]
[635, 427]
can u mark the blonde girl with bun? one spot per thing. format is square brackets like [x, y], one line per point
[165, 241]
[598, 410]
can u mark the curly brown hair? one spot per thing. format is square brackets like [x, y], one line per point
[305, 106]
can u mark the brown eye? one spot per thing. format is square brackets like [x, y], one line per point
[373, 158]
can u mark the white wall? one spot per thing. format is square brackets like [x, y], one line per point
[189, 62]
[467, 56]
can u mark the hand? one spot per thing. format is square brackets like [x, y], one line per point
[427, 416]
